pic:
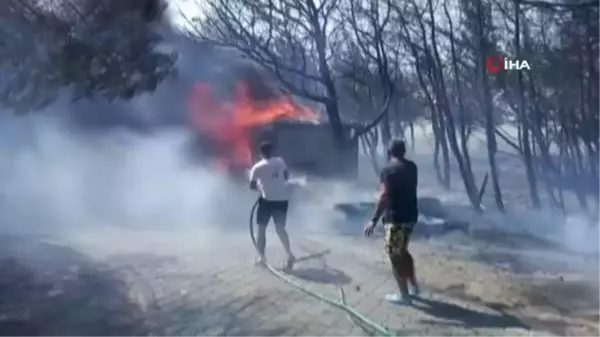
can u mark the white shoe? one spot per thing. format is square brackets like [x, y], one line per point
[398, 299]
[415, 290]
[260, 261]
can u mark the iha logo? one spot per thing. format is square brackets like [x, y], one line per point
[495, 63]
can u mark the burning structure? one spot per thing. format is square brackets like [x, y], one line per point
[231, 128]
[308, 147]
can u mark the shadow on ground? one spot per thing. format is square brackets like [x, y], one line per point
[577, 300]
[568, 302]
[567, 297]
[461, 316]
[188, 300]
[321, 275]
[49, 289]
[314, 256]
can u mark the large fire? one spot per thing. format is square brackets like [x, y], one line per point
[229, 124]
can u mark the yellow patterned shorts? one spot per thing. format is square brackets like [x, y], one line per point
[396, 237]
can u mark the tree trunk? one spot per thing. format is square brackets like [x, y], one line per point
[331, 106]
[524, 119]
[369, 142]
[445, 155]
[490, 126]
[464, 134]
[386, 132]
[411, 126]
[435, 127]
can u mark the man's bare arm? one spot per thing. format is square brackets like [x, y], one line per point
[381, 203]
[253, 180]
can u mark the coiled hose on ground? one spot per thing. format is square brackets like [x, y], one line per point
[368, 325]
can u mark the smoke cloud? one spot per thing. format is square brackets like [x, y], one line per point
[55, 180]
[88, 165]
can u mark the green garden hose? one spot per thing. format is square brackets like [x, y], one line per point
[358, 318]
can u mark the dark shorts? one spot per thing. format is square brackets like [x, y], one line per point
[397, 237]
[268, 209]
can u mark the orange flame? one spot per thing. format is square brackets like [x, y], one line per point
[229, 124]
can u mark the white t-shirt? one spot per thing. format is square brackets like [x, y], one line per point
[270, 177]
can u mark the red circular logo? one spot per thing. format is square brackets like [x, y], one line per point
[493, 63]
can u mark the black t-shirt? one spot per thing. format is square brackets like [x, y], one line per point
[400, 179]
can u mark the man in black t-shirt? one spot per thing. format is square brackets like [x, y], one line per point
[398, 205]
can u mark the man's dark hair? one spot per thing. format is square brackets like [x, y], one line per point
[266, 149]
[397, 148]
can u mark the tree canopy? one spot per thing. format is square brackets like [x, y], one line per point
[388, 63]
[104, 48]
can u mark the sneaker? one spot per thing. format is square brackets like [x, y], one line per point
[415, 290]
[290, 263]
[260, 261]
[398, 299]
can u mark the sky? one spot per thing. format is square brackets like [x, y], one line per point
[180, 11]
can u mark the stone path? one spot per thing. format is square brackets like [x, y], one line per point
[172, 284]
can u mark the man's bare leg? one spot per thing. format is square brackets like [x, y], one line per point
[400, 274]
[411, 275]
[280, 219]
[261, 241]
[285, 241]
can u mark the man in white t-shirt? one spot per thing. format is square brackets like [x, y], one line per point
[270, 176]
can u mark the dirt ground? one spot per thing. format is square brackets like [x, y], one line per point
[126, 282]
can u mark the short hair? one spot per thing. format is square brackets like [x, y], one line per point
[397, 148]
[266, 149]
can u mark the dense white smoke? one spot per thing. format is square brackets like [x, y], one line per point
[575, 231]
[54, 179]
